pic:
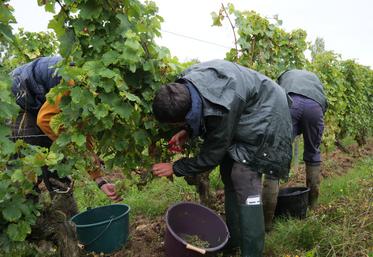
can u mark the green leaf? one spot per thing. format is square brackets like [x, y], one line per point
[67, 42]
[6, 32]
[63, 139]
[53, 158]
[49, 6]
[98, 43]
[124, 24]
[57, 24]
[149, 124]
[216, 19]
[6, 15]
[130, 96]
[82, 97]
[107, 85]
[141, 137]
[147, 95]
[93, 67]
[102, 110]
[133, 45]
[4, 132]
[17, 176]
[149, 66]
[107, 73]
[26, 209]
[110, 57]
[19, 231]
[79, 139]
[11, 213]
[90, 10]
[124, 110]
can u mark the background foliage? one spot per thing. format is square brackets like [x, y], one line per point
[108, 91]
[17, 209]
[262, 45]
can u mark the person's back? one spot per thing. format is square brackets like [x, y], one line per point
[303, 83]
[32, 81]
[309, 105]
[262, 121]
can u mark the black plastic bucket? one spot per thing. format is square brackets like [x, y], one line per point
[293, 202]
[189, 218]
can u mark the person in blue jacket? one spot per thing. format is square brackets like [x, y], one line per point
[30, 84]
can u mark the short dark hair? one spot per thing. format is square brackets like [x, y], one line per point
[171, 103]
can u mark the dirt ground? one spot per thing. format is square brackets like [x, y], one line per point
[147, 235]
[146, 238]
[335, 163]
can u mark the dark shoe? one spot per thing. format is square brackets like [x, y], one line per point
[269, 198]
[313, 183]
[252, 230]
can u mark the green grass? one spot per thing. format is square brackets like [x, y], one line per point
[152, 200]
[156, 197]
[215, 180]
[341, 226]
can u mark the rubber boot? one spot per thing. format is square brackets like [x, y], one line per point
[252, 230]
[313, 183]
[232, 220]
[269, 198]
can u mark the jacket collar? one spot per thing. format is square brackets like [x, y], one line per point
[194, 117]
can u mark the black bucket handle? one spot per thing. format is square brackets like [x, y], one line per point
[101, 233]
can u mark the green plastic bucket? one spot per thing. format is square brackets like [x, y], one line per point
[103, 229]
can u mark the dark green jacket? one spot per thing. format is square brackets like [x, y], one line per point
[304, 83]
[246, 115]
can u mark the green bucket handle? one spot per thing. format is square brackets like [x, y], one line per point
[101, 233]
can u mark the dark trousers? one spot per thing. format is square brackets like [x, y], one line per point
[240, 179]
[307, 117]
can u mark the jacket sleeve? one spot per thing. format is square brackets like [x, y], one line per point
[219, 134]
[45, 115]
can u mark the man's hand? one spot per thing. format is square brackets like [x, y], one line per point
[162, 169]
[109, 190]
[177, 141]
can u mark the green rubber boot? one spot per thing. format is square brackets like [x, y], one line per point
[232, 220]
[313, 183]
[269, 198]
[252, 230]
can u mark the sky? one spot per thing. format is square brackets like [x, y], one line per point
[345, 25]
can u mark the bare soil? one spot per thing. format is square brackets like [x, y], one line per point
[335, 163]
[146, 238]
